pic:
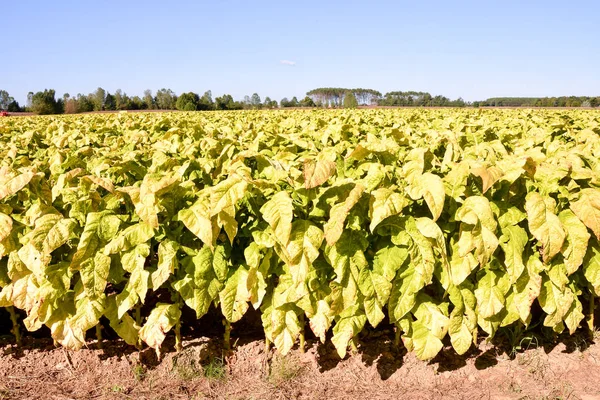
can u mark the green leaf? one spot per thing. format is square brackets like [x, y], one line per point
[544, 225]
[94, 274]
[587, 209]
[576, 242]
[235, 296]
[527, 289]
[89, 311]
[167, 263]
[384, 203]
[462, 326]
[279, 212]
[130, 237]
[338, 214]
[347, 256]
[490, 298]
[349, 323]
[227, 193]
[513, 241]
[403, 296]
[574, 316]
[14, 184]
[461, 266]
[455, 181]
[281, 325]
[376, 290]
[477, 209]
[198, 220]
[388, 260]
[100, 227]
[6, 224]
[421, 251]
[431, 188]
[199, 296]
[591, 266]
[303, 248]
[160, 321]
[425, 344]
[555, 302]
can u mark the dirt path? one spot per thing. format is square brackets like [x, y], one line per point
[567, 370]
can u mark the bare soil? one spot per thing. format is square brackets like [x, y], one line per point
[567, 369]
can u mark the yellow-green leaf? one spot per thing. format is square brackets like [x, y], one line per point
[587, 209]
[544, 225]
[160, 321]
[279, 212]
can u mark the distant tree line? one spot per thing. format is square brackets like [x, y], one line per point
[563, 101]
[334, 97]
[419, 99]
[46, 102]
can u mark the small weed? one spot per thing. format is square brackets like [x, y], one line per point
[215, 369]
[139, 372]
[283, 369]
[580, 343]
[116, 389]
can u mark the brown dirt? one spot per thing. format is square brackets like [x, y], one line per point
[566, 370]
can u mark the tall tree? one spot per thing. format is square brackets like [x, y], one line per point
[350, 100]
[5, 100]
[148, 99]
[226, 102]
[13, 106]
[255, 101]
[166, 99]
[98, 99]
[307, 102]
[188, 102]
[206, 101]
[44, 102]
[109, 102]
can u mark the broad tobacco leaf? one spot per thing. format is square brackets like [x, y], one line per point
[544, 225]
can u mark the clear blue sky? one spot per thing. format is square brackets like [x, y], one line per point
[473, 49]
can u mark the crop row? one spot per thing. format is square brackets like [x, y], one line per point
[448, 222]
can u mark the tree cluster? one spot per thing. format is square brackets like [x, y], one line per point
[7, 103]
[419, 99]
[334, 97]
[562, 101]
[46, 102]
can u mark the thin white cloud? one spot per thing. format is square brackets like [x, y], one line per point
[288, 62]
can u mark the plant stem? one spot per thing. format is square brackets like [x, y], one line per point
[397, 337]
[354, 345]
[591, 320]
[138, 315]
[178, 345]
[138, 321]
[99, 335]
[302, 341]
[15, 322]
[267, 346]
[227, 335]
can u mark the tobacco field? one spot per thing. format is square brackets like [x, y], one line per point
[449, 224]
